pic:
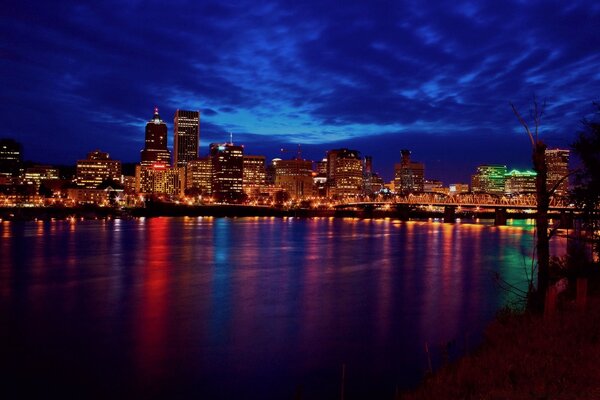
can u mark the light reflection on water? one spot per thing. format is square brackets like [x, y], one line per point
[246, 307]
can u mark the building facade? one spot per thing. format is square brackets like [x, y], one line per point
[344, 173]
[11, 158]
[37, 174]
[186, 137]
[409, 176]
[520, 182]
[557, 162]
[97, 168]
[160, 179]
[489, 179]
[199, 176]
[254, 174]
[227, 172]
[295, 177]
[155, 147]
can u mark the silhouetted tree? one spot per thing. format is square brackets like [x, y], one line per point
[538, 157]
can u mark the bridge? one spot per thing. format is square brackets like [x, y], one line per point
[468, 201]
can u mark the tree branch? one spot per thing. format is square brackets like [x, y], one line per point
[522, 121]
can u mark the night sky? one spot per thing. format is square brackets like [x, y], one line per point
[377, 76]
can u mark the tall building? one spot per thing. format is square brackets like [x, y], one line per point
[186, 137]
[519, 182]
[254, 174]
[11, 158]
[489, 179]
[409, 176]
[155, 148]
[199, 175]
[97, 168]
[557, 161]
[295, 177]
[227, 172]
[344, 173]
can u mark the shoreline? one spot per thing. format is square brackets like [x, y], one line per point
[525, 355]
[178, 210]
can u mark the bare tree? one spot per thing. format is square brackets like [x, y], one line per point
[543, 200]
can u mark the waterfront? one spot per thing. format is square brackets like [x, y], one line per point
[245, 307]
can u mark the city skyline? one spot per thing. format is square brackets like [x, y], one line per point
[377, 78]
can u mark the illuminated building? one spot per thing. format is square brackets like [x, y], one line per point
[270, 172]
[160, 179]
[97, 168]
[254, 174]
[199, 175]
[227, 172]
[519, 182]
[344, 173]
[155, 149]
[409, 176]
[186, 137]
[295, 177]
[433, 185]
[557, 161]
[320, 178]
[456, 188]
[35, 175]
[321, 167]
[11, 158]
[489, 179]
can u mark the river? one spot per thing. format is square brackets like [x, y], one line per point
[259, 308]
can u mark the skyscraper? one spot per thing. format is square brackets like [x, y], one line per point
[557, 161]
[344, 173]
[186, 136]
[254, 174]
[155, 149]
[228, 172]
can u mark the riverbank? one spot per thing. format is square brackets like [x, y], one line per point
[525, 356]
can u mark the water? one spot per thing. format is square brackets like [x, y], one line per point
[261, 308]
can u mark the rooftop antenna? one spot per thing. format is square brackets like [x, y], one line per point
[230, 138]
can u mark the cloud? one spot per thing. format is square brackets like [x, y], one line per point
[320, 73]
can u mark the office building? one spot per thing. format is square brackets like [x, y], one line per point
[557, 162]
[199, 176]
[295, 177]
[37, 174]
[160, 179]
[409, 176]
[254, 174]
[227, 172]
[457, 188]
[11, 158]
[97, 168]
[155, 148]
[519, 182]
[186, 137]
[489, 179]
[344, 173]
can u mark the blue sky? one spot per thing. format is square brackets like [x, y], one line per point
[377, 76]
